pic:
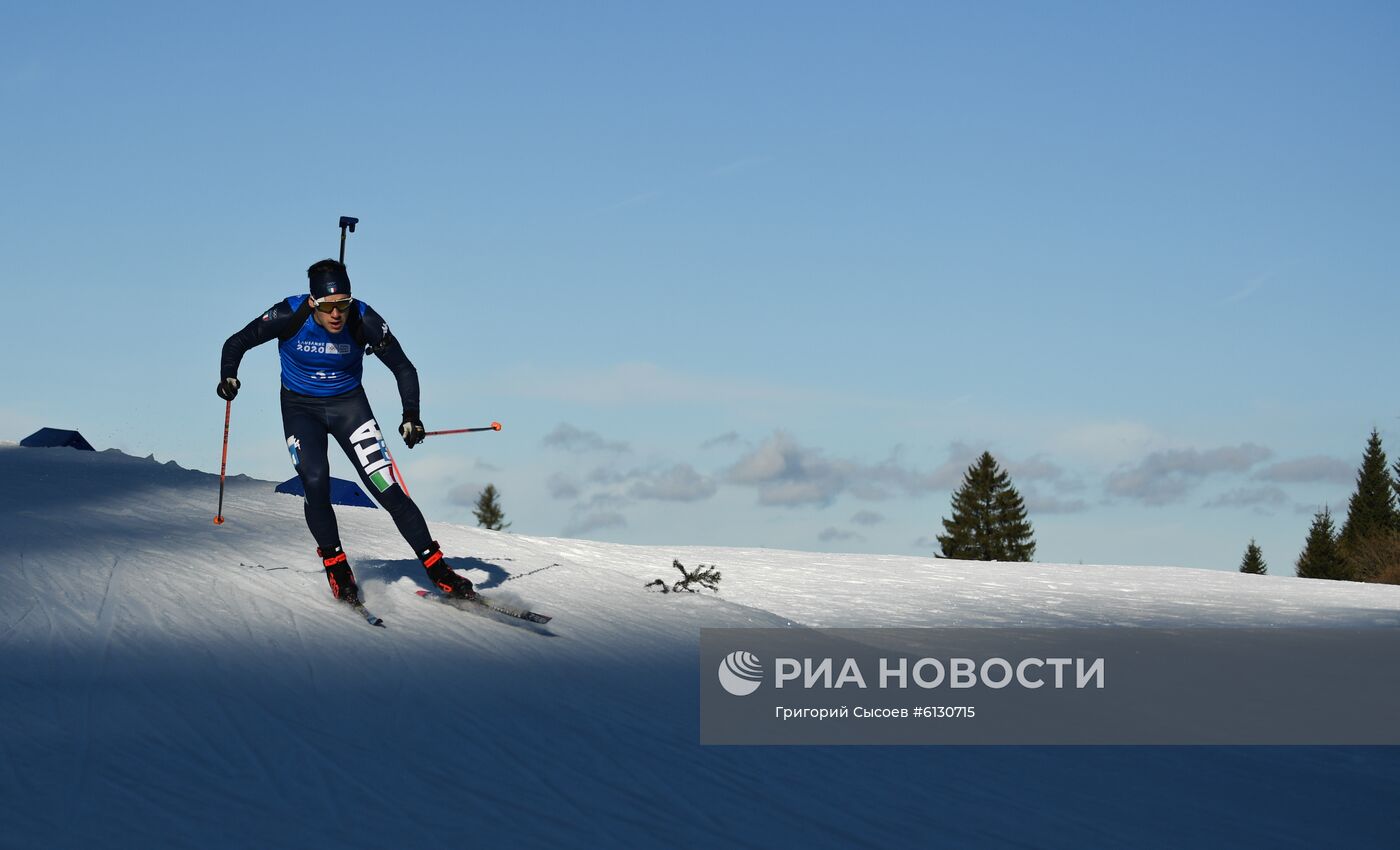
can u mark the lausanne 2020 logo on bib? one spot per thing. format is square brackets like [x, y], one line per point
[740, 673]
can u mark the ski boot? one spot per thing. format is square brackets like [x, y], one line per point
[443, 575]
[342, 581]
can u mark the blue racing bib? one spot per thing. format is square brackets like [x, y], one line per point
[316, 362]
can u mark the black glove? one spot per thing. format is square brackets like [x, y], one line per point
[412, 429]
[228, 388]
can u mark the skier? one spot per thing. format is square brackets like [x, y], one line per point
[322, 339]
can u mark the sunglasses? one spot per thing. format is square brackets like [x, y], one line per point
[327, 306]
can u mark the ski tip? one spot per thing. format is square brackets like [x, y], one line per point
[423, 592]
[369, 618]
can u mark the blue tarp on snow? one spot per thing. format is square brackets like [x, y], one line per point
[342, 492]
[48, 438]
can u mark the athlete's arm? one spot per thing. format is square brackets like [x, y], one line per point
[383, 343]
[268, 326]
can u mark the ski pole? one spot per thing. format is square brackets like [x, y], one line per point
[346, 222]
[494, 426]
[393, 464]
[398, 476]
[223, 464]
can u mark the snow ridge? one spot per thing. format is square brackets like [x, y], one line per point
[178, 683]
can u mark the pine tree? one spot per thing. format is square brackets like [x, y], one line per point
[1253, 562]
[989, 518]
[1321, 557]
[1372, 511]
[488, 510]
[1395, 488]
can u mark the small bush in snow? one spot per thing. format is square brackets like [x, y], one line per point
[706, 577]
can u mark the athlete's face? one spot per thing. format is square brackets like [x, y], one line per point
[333, 321]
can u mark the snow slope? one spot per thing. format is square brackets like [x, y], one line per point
[167, 682]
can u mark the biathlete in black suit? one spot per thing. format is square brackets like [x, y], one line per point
[322, 339]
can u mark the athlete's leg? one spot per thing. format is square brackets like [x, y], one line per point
[353, 425]
[304, 424]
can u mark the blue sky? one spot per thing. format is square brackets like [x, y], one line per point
[738, 274]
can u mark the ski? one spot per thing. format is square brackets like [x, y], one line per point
[483, 602]
[369, 618]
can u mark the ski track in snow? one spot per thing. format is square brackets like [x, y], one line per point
[157, 690]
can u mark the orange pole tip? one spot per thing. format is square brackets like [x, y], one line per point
[495, 426]
[218, 520]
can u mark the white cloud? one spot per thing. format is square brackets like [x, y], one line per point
[728, 438]
[576, 440]
[561, 486]
[786, 473]
[876, 482]
[601, 502]
[1166, 476]
[789, 474]
[1043, 503]
[1250, 497]
[1308, 470]
[676, 483]
[680, 483]
[1039, 468]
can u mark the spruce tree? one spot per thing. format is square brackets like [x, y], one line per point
[989, 518]
[1253, 562]
[488, 510]
[1372, 510]
[1321, 557]
[1395, 488]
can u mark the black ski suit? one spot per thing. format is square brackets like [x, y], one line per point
[322, 397]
